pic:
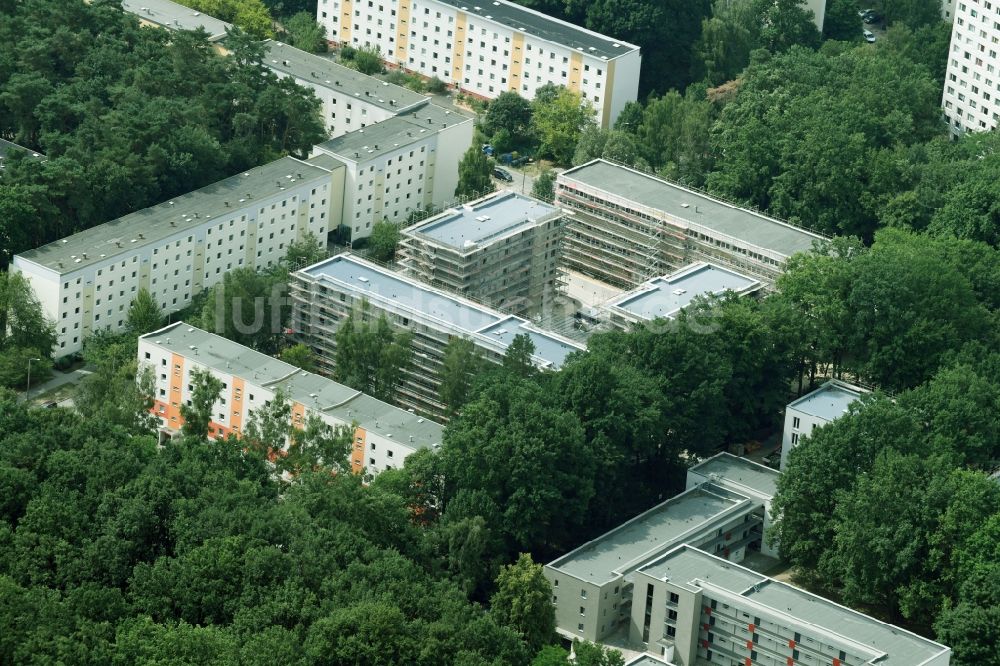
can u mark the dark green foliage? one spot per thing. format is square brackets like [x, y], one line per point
[367, 59]
[128, 116]
[544, 187]
[205, 392]
[303, 32]
[25, 333]
[841, 21]
[371, 356]
[523, 603]
[475, 174]
[383, 241]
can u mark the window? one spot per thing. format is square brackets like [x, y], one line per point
[674, 598]
[795, 422]
[583, 594]
[583, 611]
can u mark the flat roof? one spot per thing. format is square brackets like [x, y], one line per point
[666, 296]
[8, 148]
[484, 220]
[647, 660]
[687, 564]
[545, 27]
[175, 16]
[740, 472]
[341, 402]
[829, 401]
[693, 207]
[150, 226]
[390, 134]
[657, 529]
[325, 73]
[393, 290]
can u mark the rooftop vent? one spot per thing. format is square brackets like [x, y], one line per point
[679, 292]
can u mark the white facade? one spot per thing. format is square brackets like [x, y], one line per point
[487, 50]
[971, 100]
[400, 165]
[176, 249]
[351, 100]
[830, 401]
[383, 435]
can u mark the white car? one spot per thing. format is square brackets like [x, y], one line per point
[869, 36]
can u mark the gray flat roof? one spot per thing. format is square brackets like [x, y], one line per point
[665, 296]
[342, 402]
[686, 564]
[8, 148]
[483, 220]
[647, 660]
[325, 73]
[829, 401]
[394, 291]
[400, 130]
[659, 528]
[545, 27]
[693, 207]
[154, 223]
[740, 472]
[176, 17]
[902, 647]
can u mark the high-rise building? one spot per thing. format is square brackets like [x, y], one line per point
[971, 100]
[486, 50]
[327, 293]
[351, 100]
[500, 250]
[383, 435]
[628, 226]
[176, 249]
[405, 163]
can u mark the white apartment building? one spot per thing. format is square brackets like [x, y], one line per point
[664, 297]
[351, 100]
[693, 608]
[174, 16]
[724, 510]
[328, 292]
[403, 164]
[827, 403]
[383, 435]
[500, 250]
[971, 99]
[487, 49]
[86, 282]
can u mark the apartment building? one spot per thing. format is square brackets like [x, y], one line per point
[725, 510]
[326, 293]
[383, 435]
[402, 164]
[486, 50]
[351, 100]
[827, 403]
[500, 250]
[174, 16]
[971, 99]
[693, 608]
[628, 226]
[86, 282]
[665, 296]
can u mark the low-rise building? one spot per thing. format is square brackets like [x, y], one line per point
[830, 401]
[403, 164]
[383, 435]
[486, 50]
[693, 608]
[175, 16]
[327, 293]
[176, 249]
[351, 100]
[724, 510]
[8, 151]
[664, 297]
[500, 250]
[628, 226]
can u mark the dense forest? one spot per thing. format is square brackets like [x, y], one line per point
[128, 116]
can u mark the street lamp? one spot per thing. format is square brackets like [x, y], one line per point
[27, 391]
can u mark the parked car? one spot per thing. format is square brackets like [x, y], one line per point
[871, 17]
[502, 174]
[488, 149]
[869, 36]
[865, 12]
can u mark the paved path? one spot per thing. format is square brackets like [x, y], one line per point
[59, 379]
